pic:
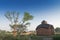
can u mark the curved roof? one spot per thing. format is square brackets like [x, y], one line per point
[44, 26]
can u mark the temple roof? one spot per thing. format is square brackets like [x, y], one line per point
[44, 26]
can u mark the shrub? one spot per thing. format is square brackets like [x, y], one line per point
[56, 37]
[10, 37]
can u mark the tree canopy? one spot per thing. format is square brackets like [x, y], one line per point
[15, 25]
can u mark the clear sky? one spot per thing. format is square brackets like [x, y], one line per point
[48, 10]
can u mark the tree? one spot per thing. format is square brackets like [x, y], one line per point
[13, 18]
[25, 20]
[57, 29]
[15, 25]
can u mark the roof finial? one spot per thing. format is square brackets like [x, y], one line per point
[44, 22]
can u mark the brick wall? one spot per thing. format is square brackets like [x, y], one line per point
[44, 31]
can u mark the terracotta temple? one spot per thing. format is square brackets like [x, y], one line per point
[45, 29]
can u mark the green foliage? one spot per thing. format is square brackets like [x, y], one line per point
[10, 37]
[57, 29]
[15, 25]
[27, 17]
[25, 37]
[12, 16]
[27, 23]
[56, 37]
[36, 38]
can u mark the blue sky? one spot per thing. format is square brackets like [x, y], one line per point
[48, 10]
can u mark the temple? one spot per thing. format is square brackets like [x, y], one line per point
[45, 29]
